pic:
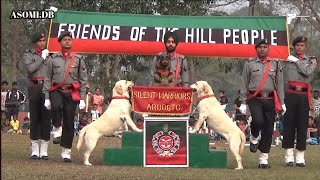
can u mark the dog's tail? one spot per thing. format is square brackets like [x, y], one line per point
[243, 142]
[81, 135]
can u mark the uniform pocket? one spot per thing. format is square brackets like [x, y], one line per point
[256, 72]
[56, 69]
[74, 72]
[293, 66]
[272, 74]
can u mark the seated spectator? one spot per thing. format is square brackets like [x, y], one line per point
[83, 122]
[76, 125]
[6, 127]
[95, 114]
[15, 124]
[89, 120]
[312, 132]
[244, 128]
[238, 116]
[192, 123]
[25, 129]
[140, 123]
[3, 117]
[225, 105]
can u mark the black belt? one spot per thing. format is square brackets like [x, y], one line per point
[298, 89]
[263, 94]
[37, 81]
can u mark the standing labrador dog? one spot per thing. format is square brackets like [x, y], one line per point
[110, 121]
[212, 112]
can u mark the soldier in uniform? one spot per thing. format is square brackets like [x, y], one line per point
[179, 65]
[35, 61]
[65, 81]
[299, 68]
[260, 98]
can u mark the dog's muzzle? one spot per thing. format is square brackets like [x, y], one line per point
[194, 90]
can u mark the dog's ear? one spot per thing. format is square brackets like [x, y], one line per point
[205, 89]
[119, 89]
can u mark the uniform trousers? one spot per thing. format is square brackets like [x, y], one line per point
[63, 108]
[40, 117]
[295, 121]
[263, 117]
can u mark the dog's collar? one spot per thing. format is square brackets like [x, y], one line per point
[206, 96]
[120, 97]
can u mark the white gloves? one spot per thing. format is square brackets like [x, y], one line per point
[243, 108]
[47, 104]
[45, 53]
[82, 104]
[284, 109]
[292, 59]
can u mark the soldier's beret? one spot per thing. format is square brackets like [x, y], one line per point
[262, 41]
[299, 39]
[64, 34]
[169, 34]
[37, 36]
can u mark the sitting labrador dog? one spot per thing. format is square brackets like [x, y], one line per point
[110, 121]
[212, 112]
[163, 75]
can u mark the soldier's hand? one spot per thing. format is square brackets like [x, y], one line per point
[47, 104]
[284, 109]
[45, 53]
[292, 59]
[82, 104]
[243, 108]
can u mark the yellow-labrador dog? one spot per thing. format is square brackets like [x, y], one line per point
[110, 121]
[212, 112]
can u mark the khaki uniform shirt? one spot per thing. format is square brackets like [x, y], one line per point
[183, 77]
[56, 71]
[301, 70]
[252, 75]
[34, 64]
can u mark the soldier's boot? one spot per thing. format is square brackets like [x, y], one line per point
[66, 154]
[263, 161]
[56, 132]
[300, 161]
[254, 143]
[35, 149]
[289, 157]
[44, 150]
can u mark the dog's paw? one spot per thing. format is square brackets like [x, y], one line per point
[87, 164]
[238, 168]
[193, 131]
[139, 130]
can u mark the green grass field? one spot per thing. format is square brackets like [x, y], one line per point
[15, 164]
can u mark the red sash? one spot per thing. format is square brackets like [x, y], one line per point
[66, 76]
[75, 93]
[277, 104]
[264, 78]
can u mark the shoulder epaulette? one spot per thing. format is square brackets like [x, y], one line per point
[251, 59]
[78, 56]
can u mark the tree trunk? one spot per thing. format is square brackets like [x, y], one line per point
[115, 68]
[192, 69]
[15, 52]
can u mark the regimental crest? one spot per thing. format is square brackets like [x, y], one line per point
[166, 143]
